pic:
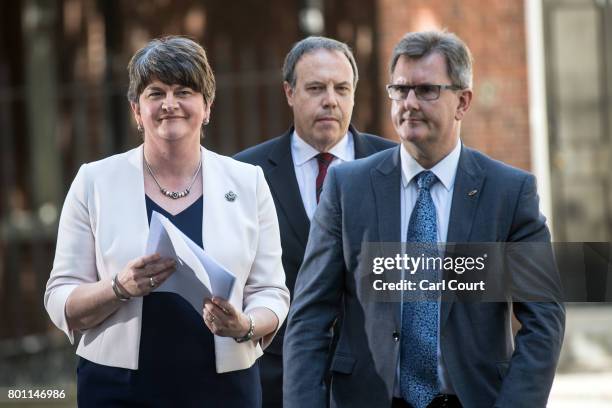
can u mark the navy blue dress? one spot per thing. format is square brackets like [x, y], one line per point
[176, 365]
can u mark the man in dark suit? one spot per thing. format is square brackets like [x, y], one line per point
[431, 189]
[320, 76]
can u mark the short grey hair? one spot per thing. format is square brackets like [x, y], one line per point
[458, 57]
[312, 44]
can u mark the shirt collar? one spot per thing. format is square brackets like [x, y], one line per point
[445, 170]
[304, 152]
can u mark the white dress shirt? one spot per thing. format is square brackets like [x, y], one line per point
[307, 168]
[442, 196]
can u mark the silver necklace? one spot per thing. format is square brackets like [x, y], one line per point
[174, 194]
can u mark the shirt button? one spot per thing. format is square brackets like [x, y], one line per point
[396, 336]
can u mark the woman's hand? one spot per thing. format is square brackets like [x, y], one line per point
[91, 303]
[142, 275]
[223, 319]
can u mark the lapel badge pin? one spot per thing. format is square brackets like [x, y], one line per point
[472, 193]
[230, 196]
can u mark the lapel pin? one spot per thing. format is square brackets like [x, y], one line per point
[472, 193]
[230, 196]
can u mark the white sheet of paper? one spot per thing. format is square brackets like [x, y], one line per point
[197, 274]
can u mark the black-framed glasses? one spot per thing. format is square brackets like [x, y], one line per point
[423, 92]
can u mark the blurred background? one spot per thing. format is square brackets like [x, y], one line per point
[543, 102]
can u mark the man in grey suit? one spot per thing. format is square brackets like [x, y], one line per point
[320, 77]
[430, 189]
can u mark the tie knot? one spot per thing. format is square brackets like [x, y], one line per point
[426, 179]
[325, 159]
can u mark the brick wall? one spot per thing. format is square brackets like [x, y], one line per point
[498, 122]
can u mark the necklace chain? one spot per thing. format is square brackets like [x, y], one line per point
[174, 194]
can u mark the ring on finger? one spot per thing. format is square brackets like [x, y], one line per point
[152, 282]
[212, 318]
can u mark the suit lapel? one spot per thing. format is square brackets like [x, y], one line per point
[283, 183]
[386, 182]
[130, 215]
[466, 195]
[363, 148]
[386, 179]
[220, 217]
[468, 185]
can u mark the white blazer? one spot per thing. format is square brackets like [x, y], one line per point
[104, 225]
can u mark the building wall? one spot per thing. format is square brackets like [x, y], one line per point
[498, 123]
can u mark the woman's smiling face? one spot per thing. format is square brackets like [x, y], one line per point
[170, 112]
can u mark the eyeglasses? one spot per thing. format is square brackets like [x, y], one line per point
[424, 92]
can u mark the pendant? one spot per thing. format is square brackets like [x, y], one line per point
[174, 194]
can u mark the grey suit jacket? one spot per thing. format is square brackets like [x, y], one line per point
[274, 157]
[361, 202]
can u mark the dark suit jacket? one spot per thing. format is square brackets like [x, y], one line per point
[274, 157]
[361, 203]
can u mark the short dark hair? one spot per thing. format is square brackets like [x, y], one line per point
[311, 44]
[458, 57]
[172, 60]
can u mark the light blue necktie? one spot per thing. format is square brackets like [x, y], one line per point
[418, 354]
